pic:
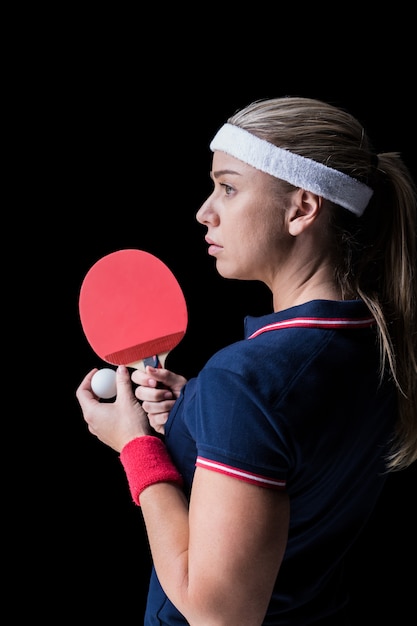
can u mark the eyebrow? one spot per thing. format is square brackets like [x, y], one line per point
[223, 172]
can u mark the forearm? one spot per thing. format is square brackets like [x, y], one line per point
[195, 574]
[196, 595]
[156, 485]
[204, 571]
[165, 513]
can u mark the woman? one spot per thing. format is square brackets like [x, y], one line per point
[255, 477]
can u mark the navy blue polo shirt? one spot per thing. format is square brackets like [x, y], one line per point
[296, 405]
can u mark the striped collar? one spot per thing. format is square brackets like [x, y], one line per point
[316, 322]
[325, 314]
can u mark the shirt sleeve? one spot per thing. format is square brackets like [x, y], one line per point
[236, 432]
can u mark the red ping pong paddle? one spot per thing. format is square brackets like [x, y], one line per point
[132, 309]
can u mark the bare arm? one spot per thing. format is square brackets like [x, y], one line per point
[217, 563]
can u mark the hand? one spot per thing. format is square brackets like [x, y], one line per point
[118, 422]
[158, 390]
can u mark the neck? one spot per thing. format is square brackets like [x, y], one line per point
[314, 283]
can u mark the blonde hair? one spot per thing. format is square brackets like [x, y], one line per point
[375, 254]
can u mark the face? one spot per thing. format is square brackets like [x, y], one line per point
[244, 216]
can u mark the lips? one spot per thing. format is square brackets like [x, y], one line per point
[213, 246]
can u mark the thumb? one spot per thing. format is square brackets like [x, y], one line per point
[123, 381]
[125, 394]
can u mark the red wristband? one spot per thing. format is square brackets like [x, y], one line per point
[146, 461]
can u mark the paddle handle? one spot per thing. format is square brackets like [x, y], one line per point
[156, 360]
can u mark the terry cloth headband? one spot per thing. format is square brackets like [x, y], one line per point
[293, 168]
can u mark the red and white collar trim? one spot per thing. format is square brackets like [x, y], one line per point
[317, 322]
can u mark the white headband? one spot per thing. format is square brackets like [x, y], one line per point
[293, 168]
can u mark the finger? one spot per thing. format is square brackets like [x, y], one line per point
[84, 391]
[153, 395]
[142, 378]
[155, 408]
[86, 382]
[125, 392]
[158, 422]
[123, 380]
[161, 375]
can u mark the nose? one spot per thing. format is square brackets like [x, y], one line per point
[206, 213]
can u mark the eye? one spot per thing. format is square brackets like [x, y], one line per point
[227, 189]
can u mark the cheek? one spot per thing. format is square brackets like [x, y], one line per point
[269, 242]
[263, 231]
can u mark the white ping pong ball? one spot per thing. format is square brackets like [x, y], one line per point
[103, 383]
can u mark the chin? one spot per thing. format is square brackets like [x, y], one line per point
[230, 272]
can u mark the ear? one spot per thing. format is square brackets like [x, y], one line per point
[303, 211]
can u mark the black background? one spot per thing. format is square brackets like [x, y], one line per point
[117, 136]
